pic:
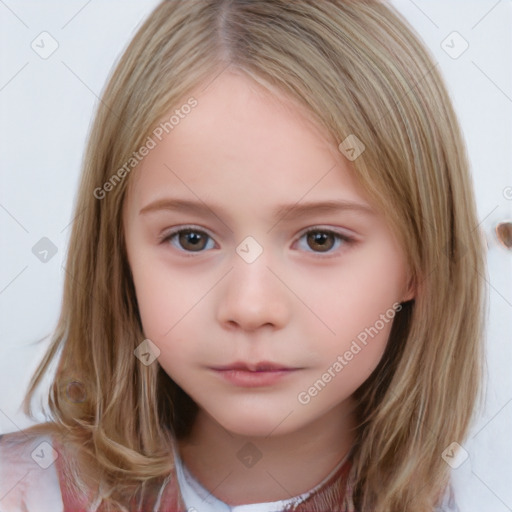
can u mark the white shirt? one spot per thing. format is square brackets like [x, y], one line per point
[29, 482]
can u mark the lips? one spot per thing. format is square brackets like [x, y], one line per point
[263, 374]
[262, 366]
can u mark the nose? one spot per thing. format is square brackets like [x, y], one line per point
[251, 296]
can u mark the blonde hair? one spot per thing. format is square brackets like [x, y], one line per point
[358, 68]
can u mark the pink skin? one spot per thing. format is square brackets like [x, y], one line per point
[243, 151]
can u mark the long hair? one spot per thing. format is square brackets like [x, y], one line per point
[359, 69]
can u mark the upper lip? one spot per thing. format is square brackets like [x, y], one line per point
[253, 367]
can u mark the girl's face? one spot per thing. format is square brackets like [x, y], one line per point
[252, 246]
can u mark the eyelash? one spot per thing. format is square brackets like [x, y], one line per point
[347, 240]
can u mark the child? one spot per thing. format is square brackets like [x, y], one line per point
[273, 297]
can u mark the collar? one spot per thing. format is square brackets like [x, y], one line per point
[197, 498]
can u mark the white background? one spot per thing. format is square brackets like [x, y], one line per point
[46, 107]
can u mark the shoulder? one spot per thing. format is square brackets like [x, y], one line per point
[28, 474]
[447, 503]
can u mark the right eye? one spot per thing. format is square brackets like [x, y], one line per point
[188, 239]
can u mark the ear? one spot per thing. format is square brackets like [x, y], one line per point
[410, 293]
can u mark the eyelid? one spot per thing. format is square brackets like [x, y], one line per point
[183, 227]
[328, 229]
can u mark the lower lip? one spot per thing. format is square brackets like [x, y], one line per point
[247, 379]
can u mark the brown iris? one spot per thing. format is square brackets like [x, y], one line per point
[192, 240]
[320, 241]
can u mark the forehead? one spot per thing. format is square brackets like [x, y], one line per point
[244, 141]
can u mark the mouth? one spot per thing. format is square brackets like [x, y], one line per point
[247, 375]
[263, 366]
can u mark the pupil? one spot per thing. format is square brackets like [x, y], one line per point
[320, 240]
[191, 238]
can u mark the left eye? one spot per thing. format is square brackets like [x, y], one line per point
[323, 240]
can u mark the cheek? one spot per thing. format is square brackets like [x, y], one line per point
[357, 309]
[171, 308]
[379, 275]
[356, 351]
[164, 320]
[161, 297]
[356, 299]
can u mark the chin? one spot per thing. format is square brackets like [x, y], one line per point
[249, 425]
[249, 429]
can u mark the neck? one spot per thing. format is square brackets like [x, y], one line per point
[227, 464]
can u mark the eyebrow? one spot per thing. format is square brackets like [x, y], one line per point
[299, 210]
